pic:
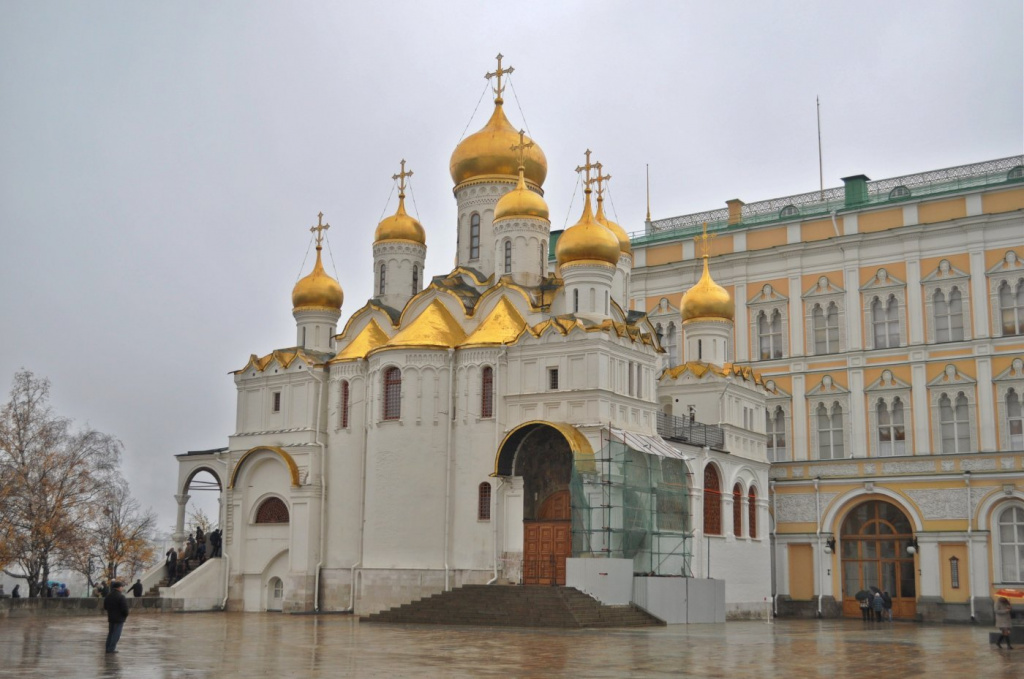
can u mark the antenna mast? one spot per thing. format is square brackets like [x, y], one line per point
[821, 173]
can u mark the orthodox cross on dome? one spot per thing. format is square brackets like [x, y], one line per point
[600, 179]
[401, 178]
[319, 229]
[587, 167]
[704, 242]
[498, 73]
[521, 147]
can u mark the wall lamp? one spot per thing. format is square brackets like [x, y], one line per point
[830, 545]
[912, 546]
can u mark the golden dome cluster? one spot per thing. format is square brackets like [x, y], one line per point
[587, 240]
[317, 291]
[400, 226]
[620, 234]
[707, 299]
[521, 201]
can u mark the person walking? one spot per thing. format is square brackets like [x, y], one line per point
[877, 605]
[887, 606]
[172, 565]
[16, 592]
[116, 606]
[865, 607]
[137, 589]
[1003, 621]
[215, 541]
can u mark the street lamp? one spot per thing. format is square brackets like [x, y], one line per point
[830, 545]
[912, 546]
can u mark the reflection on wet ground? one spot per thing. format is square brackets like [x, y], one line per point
[186, 646]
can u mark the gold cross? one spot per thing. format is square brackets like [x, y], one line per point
[319, 228]
[500, 72]
[587, 167]
[401, 178]
[521, 147]
[601, 179]
[704, 241]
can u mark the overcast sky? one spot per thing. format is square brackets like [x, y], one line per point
[161, 163]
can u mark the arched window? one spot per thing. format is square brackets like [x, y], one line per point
[712, 502]
[380, 283]
[789, 211]
[892, 433]
[483, 502]
[886, 323]
[826, 328]
[474, 236]
[769, 333]
[1016, 173]
[830, 432]
[737, 511]
[949, 316]
[955, 425]
[415, 278]
[1011, 307]
[899, 192]
[343, 404]
[392, 394]
[752, 513]
[508, 256]
[487, 392]
[1015, 420]
[272, 510]
[775, 427]
[1011, 544]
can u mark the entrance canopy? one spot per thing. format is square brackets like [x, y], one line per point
[582, 452]
[652, 445]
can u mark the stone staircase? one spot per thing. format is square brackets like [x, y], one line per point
[191, 565]
[515, 606]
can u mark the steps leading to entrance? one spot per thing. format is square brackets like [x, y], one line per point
[510, 606]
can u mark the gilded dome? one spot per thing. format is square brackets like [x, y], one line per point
[587, 240]
[521, 202]
[489, 152]
[624, 245]
[400, 226]
[707, 299]
[317, 290]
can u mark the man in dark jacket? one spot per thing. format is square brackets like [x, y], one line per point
[116, 606]
[137, 589]
[172, 566]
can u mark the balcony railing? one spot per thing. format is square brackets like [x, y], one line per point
[690, 431]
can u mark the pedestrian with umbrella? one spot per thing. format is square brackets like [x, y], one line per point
[864, 597]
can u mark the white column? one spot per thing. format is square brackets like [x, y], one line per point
[741, 329]
[796, 317]
[979, 295]
[986, 406]
[927, 560]
[799, 418]
[179, 526]
[919, 397]
[858, 416]
[915, 307]
[854, 335]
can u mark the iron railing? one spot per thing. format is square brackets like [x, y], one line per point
[690, 431]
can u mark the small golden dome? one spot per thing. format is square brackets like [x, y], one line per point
[707, 299]
[624, 245]
[587, 240]
[317, 290]
[521, 202]
[400, 226]
[489, 152]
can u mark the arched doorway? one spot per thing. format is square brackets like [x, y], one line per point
[874, 539]
[542, 455]
[275, 594]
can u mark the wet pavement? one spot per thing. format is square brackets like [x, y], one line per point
[251, 645]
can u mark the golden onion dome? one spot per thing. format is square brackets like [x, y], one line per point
[521, 202]
[317, 290]
[489, 152]
[707, 299]
[624, 245]
[587, 240]
[400, 226]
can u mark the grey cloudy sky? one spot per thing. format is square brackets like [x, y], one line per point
[160, 163]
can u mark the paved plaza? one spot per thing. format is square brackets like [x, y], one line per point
[173, 646]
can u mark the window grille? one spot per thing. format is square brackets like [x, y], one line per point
[343, 406]
[272, 510]
[487, 392]
[712, 502]
[474, 236]
[483, 505]
[392, 394]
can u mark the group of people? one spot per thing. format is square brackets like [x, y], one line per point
[876, 606]
[102, 590]
[179, 562]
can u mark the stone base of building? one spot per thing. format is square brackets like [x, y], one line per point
[936, 610]
[789, 608]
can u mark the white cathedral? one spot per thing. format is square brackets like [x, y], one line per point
[488, 425]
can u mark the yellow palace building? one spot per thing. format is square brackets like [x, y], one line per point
[886, 320]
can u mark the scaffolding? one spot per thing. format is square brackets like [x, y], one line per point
[632, 501]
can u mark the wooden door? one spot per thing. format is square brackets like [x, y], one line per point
[547, 543]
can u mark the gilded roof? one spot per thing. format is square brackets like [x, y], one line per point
[699, 369]
[489, 152]
[435, 327]
[284, 358]
[503, 325]
[317, 290]
[368, 339]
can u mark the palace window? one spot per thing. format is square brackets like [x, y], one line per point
[272, 510]
[737, 511]
[343, 404]
[553, 379]
[381, 281]
[276, 407]
[885, 322]
[954, 423]
[830, 432]
[892, 434]
[487, 392]
[775, 427]
[752, 513]
[769, 334]
[415, 278]
[712, 501]
[672, 344]
[508, 256]
[1014, 420]
[825, 324]
[949, 315]
[474, 236]
[575, 300]
[483, 502]
[1011, 544]
[1011, 307]
[392, 394]
[954, 572]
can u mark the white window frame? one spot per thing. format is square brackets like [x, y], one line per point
[1009, 270]
[997, 544]
[768, 301]
[888, 388]
[1011, 378]
[828, 393]
[883, 286]
[952, 383]
[822, 294]
[772, 406]
[945, 278]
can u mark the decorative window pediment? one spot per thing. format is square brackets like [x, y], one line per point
[824, 311]
[823, 288]
[945, 272]
[769, 324]
[768, 295]
[885, 311]
[1006, 294]
[947, 303]
[887, 382]
[827, 387]
[889, 416]
[951, 377]
[1010, 406]
[953, 402]
[828, 406]
[883, 280]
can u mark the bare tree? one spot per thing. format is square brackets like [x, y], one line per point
[197, 518]
[53, 478]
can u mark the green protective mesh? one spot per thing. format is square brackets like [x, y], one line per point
[630, 504]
